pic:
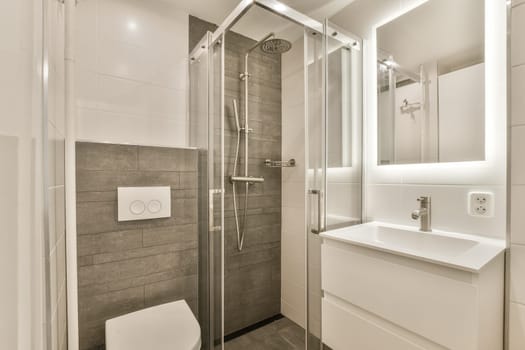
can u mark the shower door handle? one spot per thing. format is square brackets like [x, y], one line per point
[211, 216]
[319, 195]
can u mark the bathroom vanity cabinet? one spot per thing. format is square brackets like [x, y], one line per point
[380, 299]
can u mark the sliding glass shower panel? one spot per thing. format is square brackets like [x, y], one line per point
[206, 134]
[343, 129]
[315, 178]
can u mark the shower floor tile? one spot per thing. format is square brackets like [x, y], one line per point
[279, 335]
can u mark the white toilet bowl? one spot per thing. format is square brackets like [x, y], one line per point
[170, 326]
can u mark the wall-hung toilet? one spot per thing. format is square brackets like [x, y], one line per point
[170, 326]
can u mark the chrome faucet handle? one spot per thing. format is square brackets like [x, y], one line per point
[416, 214]
[423, 199]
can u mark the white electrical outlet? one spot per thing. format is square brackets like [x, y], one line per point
[481, 204]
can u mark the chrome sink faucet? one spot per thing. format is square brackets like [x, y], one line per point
[424, 214]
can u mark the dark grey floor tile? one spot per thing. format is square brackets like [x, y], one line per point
[282, 334]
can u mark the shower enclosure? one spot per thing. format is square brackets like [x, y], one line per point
[276, 117]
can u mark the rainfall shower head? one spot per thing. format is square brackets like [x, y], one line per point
[276, 46]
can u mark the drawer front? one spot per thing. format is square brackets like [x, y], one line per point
[438, 308]
[346, 330]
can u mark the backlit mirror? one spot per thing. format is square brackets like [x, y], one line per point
[431, 84]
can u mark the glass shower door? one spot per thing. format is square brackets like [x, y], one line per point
[315, 179]
[206, 134]
[334, 152]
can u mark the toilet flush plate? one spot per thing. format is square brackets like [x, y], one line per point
[142, 203]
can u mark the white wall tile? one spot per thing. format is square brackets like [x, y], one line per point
[96, 125]
[517, 156]
[517, 219]
[132, 74]
[518, 35]
[86, 29]
[123, 60]
[147, 24]
[13, 92]
[384, 203]
[293, 141]
[9, 25]
[517, 257]
[293, 304]
[293, 188]
[516, 326]
[166, 102]
[293, 89]
[292, 263]
[87, 92]
[517, 266]
[167, 133]
[121, 95]
[293, 194]
[344, 199]
[517, 92]
[296, 226]
[292, 62]
[11, 180]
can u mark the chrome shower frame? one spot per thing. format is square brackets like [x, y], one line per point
[288, 13]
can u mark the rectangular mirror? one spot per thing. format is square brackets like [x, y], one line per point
[431, 84]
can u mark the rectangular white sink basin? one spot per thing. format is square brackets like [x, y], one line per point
[462, 251]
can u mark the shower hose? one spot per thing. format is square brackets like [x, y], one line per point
[239, 229]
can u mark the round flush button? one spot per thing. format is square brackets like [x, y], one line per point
[154, 206]
[137, 207]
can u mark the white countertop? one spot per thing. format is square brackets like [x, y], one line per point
[462, 251]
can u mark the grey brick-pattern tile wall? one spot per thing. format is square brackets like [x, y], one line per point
[125, 267]
[253, 276]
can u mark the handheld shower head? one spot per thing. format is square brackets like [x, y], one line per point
[236, 113]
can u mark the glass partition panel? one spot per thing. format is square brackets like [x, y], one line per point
[206, 66]
[343, 128]
[315, 178]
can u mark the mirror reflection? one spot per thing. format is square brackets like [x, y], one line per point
[430, 84]
[339, 118]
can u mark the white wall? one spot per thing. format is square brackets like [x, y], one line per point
[461, 122]
[293, 232]
[131, 72]
[392, 190]
[517, 267]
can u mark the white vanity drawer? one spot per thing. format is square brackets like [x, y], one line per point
[408, 294]
[344, 329]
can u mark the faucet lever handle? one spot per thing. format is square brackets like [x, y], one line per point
[423, 199]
